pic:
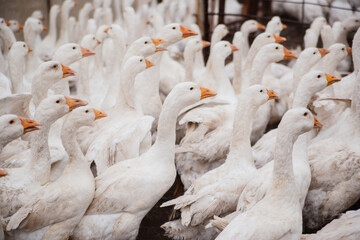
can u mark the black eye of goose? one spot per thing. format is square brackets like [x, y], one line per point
[54, 66]
[276, 48]
[74, 48]
[11, 121]
[57, 101]
[192, 88]
[173, 28]
[146, 42]
[314, 53]
[93, 38]
[261, 90]
[305, 114]
[268, 36]
[87, 111]
[141, 60]
[319, 76]
[24, 45]
[39, 22]
[343, 49]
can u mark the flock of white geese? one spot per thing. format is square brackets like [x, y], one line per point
[96, 123]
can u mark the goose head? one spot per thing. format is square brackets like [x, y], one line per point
[71, 52]
[258, 95]
[68, 5]
[298, 121]
[338, 51]
[115, 31]
[275, 25]
[137, 64]
[275, 52]
[12, 127]
[251, 26]
[315, 81]
[38, 15]
[84, 116]
[20, 49]
[54, 71]
[102, 33]
[3, 22]
[238, 39]
[87, 8]
[318, 23]
[311, 55]
[56, 106]
[266, 38]
[35, 25]
[221, 31]
[187, 93]
[223, 49]
[175, 32]
[196, 45]
[90, 42]
[55, 9]
[14, 25]
[351, 23]
[146, 46]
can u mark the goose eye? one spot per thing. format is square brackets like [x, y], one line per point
[343, 49]
[39, 22]
[11, 121]
[146, 42]
[93, 38]
[191, 88]
[173, 28]
[276, 48]
[261, 90]
[225, 45]
[197, 41]
[278, 23]
[87, 111]
[110, 27]
[268, 36]
[2, 21]
[57, 101]
[319, 76]
[314, 53]
[24, 45]
[74, 48]
[305, 114]
[141, 60]
[54, 66]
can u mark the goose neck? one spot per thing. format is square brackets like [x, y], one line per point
[237, 60]
[240, 147]
[16, 69]
[65, 12]
[52, 30]
[30, 37]
[8, 37]
[258, 69]
[40, 164]
[300, 69]
[189, 56]
[302, 96]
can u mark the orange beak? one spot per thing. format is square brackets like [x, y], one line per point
[106, 30]
[288, 54]
[323, 51]
[205, 44]
[233, 48]
[331, 79]
[86, 52]
[160, 49]
[148, 22]
[187, 32]
[205, 93]
[75, 3]
[45, 29]
[284, 26]
[74, 103]
[148, 64]
[29, 125]
[279, 39]
[349, 51]
[271, 94]
[3, 173]
[157, 41]
[317, 123]
[67, 71]
[7, 23]
[98, 42]
[99, 114]
[29, 49]
[260, 26]
[21, 27]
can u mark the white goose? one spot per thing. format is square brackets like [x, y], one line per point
[15, 26]
[335, 171]
[118, 214]
[248, 27]
[64, 16]
[19, 182]
[45, 211]
[217, 191]
[283, 218]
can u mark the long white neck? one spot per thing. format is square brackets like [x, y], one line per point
[355, 103]
[237, 60]
[8, 38]
[327, 64]
[30, 37]
[83, 19]
[246, 46]
[300, 69]
[240, 147]
[225, 89]
[83, 87]
[52, 28]
[258, 69]
[189, 55]
[64, 34]
[40, 87]
[253, 51]
[17, 69]
[68, 138]
[40, 164]
[283, 180]
[302, 96]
